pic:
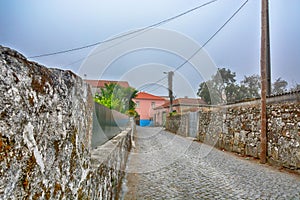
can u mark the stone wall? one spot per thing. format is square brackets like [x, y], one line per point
[45, 136]
[236, 128]
[109, 161]
[178, 124]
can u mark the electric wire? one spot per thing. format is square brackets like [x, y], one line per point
[157, 86]
[200, 48]
[126, 34]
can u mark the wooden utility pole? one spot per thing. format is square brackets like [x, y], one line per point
[268, 54]
[265, 77]
[170, 83]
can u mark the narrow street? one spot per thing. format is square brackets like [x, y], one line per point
[167, 166]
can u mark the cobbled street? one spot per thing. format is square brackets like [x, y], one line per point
[167, 166]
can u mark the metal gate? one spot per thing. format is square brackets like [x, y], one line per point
[193, 124]
[106, 124]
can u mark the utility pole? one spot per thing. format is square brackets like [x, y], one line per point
[265, 77]
[268, 54]
[170, 83]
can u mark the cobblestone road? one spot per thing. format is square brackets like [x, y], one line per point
[167, 166]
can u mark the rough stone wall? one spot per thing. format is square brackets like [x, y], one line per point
[178, 124]
[211, 125]
[236, 128]
[45, 130]
[45, 135]
[284, 134]
[109, 161]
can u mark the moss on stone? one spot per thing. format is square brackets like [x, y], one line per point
[57, 188]
[56, 147]
[37, 196]
[3, 115]
[31, 101]
[73, 153]
[38, 86]
[81, 194]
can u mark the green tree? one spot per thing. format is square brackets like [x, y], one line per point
[203, 91]
[279, 86]
[220, 88]
[107, 97]
[117, 98]
[250, 87]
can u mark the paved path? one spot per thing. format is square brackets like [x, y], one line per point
[167, 166]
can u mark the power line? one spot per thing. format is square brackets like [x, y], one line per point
[195, 53]
[228, 20]
[126, 34]
[109, 47]
[157, 85]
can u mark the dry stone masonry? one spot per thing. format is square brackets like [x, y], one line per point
[236, 128]
[45, 135]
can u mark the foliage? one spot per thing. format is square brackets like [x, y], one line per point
[117, 98]
[279, 86]
[204, 93]
[222, 87]
[250, 87]
[174, 113]
[215, 90]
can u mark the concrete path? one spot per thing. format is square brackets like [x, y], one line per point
[167, 166]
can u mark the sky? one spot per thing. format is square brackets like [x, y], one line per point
[35, 27]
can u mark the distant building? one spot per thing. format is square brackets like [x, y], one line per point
[97, 84]
[180, 105]
[145, 103]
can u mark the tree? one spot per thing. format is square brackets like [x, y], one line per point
[117, 98]
[295, 88]
[279, 86]
[220, 88]
[233, 93]
[126, 95]
[250, 87]
[204, 93]
[107, 97]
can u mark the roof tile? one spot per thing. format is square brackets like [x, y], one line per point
[144, 95]
[101, 83]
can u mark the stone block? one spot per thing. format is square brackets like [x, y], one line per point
[274, 153]
[251, 151]
[298, 159]
[236, 149]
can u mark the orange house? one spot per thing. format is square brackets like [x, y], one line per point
[145, 103]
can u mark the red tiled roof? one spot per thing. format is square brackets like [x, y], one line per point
[101, 83]
[184, 102]
[144, 95]
[189, 101]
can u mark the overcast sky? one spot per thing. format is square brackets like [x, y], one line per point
[35, 27]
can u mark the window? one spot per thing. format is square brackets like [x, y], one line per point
[153, 104]
[137, 104]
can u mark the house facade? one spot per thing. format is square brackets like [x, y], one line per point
[145, 104]
[180, 106]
